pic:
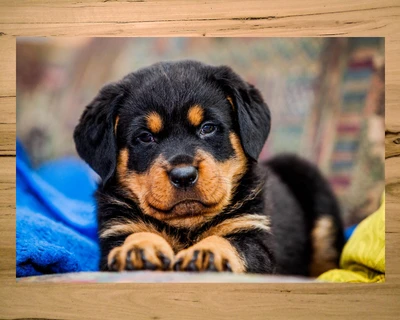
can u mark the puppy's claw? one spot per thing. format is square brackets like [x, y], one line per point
[211, 265]
[192, 264]
[113, 265]
[227, 266]
[164, 260]
[128, 264]
[177, 265]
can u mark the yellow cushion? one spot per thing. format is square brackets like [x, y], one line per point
[363, 256]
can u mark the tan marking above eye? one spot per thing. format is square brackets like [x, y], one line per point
[154, 122]
[195, 115]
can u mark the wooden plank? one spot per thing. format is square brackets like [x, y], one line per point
[114, 12]
[7, 67]
[7, 110]
[7, 139]
[392, 144]
[392, 87]
[307, 26]
[7, 221]
[196, 18]
[199, 301]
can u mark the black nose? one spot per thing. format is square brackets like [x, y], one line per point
[183, 177]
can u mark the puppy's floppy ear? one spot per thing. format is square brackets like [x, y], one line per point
[94, 135]
[253, 115]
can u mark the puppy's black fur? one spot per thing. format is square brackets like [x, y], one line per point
[277, 217]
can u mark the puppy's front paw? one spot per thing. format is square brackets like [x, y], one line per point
[141, 251]
[211, 254]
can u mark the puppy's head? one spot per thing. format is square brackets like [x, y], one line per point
[177, 136]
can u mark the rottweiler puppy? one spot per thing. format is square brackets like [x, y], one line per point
[176, 145]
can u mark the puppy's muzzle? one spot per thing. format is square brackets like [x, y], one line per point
[184, 177]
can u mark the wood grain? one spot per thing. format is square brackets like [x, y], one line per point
[197, 18]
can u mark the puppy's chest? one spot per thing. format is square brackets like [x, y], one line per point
[181, 238]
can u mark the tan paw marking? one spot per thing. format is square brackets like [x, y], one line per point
[141, 251]
[210, 254]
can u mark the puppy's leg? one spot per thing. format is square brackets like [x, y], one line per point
[141, 251]
[213, 253]
[238, 253]
[306, 218]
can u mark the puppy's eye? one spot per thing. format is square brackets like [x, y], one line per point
[207, 129]
[146, 137]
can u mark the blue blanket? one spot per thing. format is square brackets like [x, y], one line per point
[56, 227]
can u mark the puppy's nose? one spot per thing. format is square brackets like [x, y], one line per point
[183, 177]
